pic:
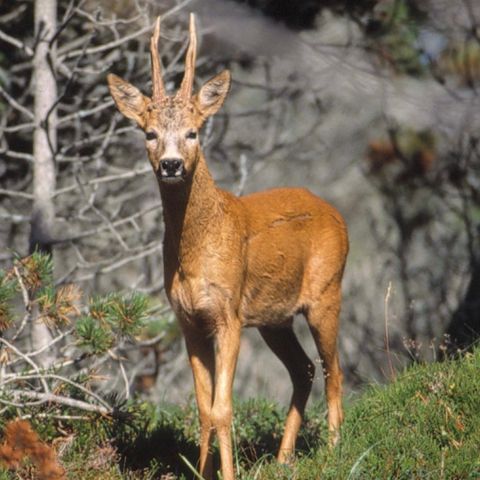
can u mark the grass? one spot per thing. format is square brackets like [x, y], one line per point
[426, 425]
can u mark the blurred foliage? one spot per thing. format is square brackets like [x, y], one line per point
[300, 15]
[165, 324]
[402, 157]
[392, 34]
[461, 60]
[391, 26]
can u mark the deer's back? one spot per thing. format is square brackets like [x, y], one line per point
[297, 246]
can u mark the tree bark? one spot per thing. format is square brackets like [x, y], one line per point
[44, 147]
[45, 133]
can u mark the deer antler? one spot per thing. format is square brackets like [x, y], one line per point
[157, 82]
[187, 82]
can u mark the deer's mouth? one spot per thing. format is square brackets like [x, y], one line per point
[171, 179]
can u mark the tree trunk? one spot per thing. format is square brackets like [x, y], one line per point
[44, 147]
[45, 134]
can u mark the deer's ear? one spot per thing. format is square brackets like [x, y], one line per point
[129, 99]
[213, 93]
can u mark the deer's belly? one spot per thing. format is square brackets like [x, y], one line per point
[270, 298]
[269, 293]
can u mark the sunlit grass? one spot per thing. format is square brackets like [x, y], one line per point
[426, 424]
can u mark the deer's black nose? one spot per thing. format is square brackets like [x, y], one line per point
[171, 167]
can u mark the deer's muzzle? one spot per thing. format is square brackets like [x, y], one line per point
[171, 170]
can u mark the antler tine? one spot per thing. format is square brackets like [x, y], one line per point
[157, 81]
[187, 82]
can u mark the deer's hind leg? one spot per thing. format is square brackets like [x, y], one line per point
[322, 318]
[285, 345]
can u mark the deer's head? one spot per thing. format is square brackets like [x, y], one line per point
[171, 122]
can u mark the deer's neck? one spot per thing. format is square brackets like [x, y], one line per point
[190, 209]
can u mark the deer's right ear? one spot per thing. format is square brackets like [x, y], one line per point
[129, 99]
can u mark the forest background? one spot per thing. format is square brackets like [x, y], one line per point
[373, 105]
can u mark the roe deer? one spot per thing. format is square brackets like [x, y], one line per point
[232, 262]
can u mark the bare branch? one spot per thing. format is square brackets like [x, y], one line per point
[15, 104]
[52, 398]
[19, 377]
[13, 193]
[16, 43]
[105, 179]
[29, 361]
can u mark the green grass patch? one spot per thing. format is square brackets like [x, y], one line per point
[424, 425]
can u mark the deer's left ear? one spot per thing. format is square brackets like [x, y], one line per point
[129, 99]
[213, 93]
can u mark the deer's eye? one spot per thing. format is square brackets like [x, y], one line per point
[151, 135]
[191, 135]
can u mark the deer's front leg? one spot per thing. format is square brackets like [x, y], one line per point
[228, 344]
[201, 354]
